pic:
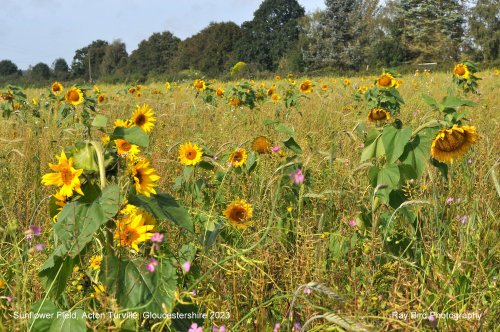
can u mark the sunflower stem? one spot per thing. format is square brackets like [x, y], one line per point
[430, 124]
[100, 159]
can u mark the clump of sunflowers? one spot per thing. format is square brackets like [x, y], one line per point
[464, 76]
[108, 210]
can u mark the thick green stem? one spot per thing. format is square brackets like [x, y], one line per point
[100, 159]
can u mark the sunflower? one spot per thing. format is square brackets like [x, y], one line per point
[65, 177]
[238, 157]
[291, 81]
[131, 230]
[167, 85]
[262, 145]
[235, 102]
[74, 96]
[324, 87]
[101, 98]
[132, 90]
[123, 123]
[199, 85]
[145, 178]
[56, 88]
[271, 90]
[386, 80]
[125, 149]
[275, 97]
[132, 210]
[238, 213]
[453, 142]
[190, 154]
[347, 82]
[219, 92]
[144, 117]
[306, 86]
[378, 114]
[461, 71]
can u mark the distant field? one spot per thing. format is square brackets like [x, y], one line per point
[308, 248]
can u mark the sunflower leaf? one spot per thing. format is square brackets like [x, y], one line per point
[416, 153]
[394, 141]
[373, 146]
[65, 323]
[133, 135]
[100, 121]
[293, 145]
[164, 207]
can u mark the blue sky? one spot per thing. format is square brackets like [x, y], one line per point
[33, 31]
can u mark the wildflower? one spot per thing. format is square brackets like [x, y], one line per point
[186, 266]
[74, 96]
[276, 148]
[353, 223]
[151, 265]
[296, 326]
[238, 213]
[190, 154]
[66, 177]
[33, 230]
[145, 177]
[431, 318]
[452, 143]
[449, 200]
[277, 326]
[463, 219]
[195, 328]
[307, 291]
[238, 157]
[469, 161]
[219, 329]
[144, 117]
[297, 176]
[95, 262]
[157, 238]
[39, 247]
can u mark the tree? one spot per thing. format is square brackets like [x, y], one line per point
[155, 54]
[7, 68]
[60, 69]
[484, 27]
[211, 50]
[340, 35]
[40, 71]
[431, 29]
[114, 59]
[272, 33]
[81, 67]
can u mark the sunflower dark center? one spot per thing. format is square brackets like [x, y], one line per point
[66, 175]
[140, 120]
[191, 154]
[73, 96]
[384, 81]
[237, 157]
[238, 214]
[460, 70]
[451, 142]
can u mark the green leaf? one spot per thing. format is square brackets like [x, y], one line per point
[143, 290]
[187, 252]
[443, 167]
[389, 175]
[100, 121]
[454, 102]
[133, 135]
[418, 150]
[251, 161]
[164, 207]
[75, 227]
[282, 128]
[69, 322]
[46, 311]
[373, 146]
[430, 101]
[394, 141]
[292, 145]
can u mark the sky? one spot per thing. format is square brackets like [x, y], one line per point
[33, 31]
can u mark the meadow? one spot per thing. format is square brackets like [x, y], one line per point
[317, 244]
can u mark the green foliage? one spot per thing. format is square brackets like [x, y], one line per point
[164, 207]
[133, 135]
[60, 69]
[40, 71]
[484, 27]
[7, 68]
[93, 54]
[211, 50]
[271, 34]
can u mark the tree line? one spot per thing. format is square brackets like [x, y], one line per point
[348, 35]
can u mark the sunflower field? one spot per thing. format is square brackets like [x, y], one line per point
[291, 204]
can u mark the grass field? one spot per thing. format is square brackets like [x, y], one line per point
[307, 252]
